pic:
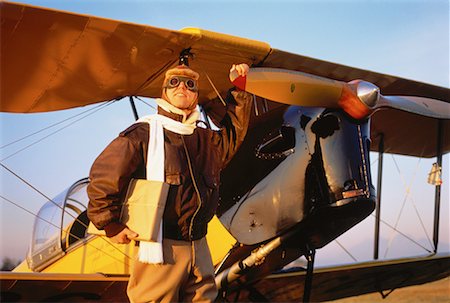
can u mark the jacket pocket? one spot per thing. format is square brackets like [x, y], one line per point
[210, 189]
[211, 181]
[211, 196]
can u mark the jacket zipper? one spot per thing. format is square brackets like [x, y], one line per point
[191, 171]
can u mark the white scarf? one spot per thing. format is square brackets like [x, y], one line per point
[152, 252]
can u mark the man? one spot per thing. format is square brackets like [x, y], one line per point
[192, 164]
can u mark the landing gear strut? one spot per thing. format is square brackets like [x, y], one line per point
[310, 255]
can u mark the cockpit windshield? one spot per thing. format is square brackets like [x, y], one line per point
[48, 222]
[60, 223]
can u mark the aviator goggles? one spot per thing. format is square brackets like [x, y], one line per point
[175, 81]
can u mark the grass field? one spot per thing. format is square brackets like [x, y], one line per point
[434, 292]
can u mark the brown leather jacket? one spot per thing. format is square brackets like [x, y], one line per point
[185, 218]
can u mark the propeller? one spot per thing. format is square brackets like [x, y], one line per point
[417, 105]
[358, 98]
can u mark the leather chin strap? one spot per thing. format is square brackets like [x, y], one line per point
[193, 104]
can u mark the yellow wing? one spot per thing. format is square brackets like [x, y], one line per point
[54, 60]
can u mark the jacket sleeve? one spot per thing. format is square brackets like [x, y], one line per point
[109, 178]
[235, 123]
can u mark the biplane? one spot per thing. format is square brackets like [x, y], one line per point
[301, 178]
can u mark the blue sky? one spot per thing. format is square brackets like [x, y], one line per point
[403, 38]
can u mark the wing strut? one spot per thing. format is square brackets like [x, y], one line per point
[437, 193]
[310, 257]
[378, 207]
[133, 108]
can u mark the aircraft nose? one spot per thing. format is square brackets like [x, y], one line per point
[368, 93]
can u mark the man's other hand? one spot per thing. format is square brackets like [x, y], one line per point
[124, 237]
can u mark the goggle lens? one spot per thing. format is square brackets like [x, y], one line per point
[190, 84]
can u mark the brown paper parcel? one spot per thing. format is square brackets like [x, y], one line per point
[142, 210]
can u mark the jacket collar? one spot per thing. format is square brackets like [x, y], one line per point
[175, 112]
[170, 115]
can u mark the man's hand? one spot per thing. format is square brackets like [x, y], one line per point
[124, 237]
[241, 69]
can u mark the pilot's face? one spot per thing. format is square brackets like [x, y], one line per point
[182, 92]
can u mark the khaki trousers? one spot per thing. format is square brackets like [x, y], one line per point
[187, 275]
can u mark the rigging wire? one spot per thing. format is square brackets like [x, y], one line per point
[215, 89]
[404, 235]
[41, 193]
[57, 131]
[95, 109]
[394, 229]
[61, 229]
[407, 189]
[348, 253]
[145, 102]
[50, 126]
[29, 184]
[54, 203]
[374, 161]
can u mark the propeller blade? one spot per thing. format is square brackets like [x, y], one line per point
[297, 88]
[290, 87]
[417, 105]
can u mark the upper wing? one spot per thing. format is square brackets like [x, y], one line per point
[54, 60]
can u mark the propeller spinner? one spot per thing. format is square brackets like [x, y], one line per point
[358, 98]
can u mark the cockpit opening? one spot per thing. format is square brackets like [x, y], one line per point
[277, 145]
[59, 225]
